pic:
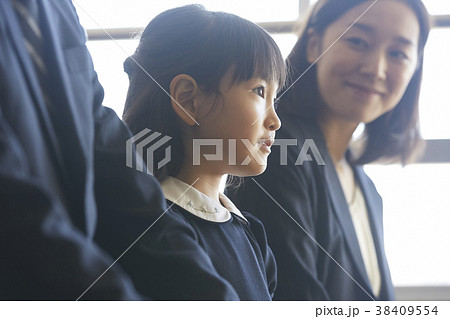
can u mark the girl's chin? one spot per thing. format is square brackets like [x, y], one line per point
[250, 170]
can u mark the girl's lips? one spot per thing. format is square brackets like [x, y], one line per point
[265, 148]
[266, 143]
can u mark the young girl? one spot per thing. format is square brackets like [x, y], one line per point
[357, 61]
[222, 73]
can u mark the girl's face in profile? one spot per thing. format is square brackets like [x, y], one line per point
[366, 72]
[245, 120]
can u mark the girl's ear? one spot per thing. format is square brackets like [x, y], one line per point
[313, 46]
[184, 91]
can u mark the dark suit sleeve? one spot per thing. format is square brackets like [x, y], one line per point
[43, 255]
[297, 255]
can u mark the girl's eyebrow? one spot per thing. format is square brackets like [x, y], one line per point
[257, 78]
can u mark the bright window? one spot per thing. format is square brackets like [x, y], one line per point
[435, 94]
[416, 221]
[138, 13]
[439, 7]
[108, 59]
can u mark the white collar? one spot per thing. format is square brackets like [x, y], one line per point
[197, 203]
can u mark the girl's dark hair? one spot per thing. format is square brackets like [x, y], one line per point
[393, 136]
[203, 44]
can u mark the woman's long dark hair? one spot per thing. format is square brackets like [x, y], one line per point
[203, 44]
[393, 136]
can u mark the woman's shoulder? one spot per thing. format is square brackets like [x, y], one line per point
[366, 184]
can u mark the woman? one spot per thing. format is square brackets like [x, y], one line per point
[356, 62]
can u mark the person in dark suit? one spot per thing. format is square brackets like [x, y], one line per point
[69, 204]
[355, 62]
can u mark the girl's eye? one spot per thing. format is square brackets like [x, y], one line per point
[260, 90]
[358, 43]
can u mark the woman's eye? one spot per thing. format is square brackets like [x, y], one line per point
[358, 42]
[399, 55]
[260, 90]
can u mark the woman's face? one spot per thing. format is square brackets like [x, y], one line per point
[367, 68]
